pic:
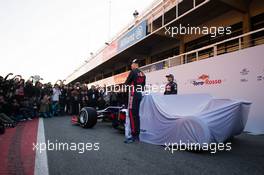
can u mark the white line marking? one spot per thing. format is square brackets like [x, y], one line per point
[41, 161]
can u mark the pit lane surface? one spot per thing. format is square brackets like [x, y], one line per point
[115, 157]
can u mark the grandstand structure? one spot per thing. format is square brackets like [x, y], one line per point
[233, 59]
[152, 45]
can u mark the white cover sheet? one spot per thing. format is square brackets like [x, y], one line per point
[190, 118]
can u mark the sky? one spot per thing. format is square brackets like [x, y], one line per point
[52, 38]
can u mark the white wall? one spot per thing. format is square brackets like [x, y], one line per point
[228, 69]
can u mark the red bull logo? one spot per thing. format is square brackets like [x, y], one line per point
[203, 77]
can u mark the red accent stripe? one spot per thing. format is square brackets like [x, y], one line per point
[133, 88]
[16, 145]
[122, 117]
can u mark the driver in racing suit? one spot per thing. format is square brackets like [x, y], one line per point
[136, 81]
[171, 86]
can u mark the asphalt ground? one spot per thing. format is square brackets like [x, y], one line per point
[115, 157]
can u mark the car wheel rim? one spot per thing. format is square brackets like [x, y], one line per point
[84, 117]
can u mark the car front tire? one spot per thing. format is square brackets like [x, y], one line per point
[87, 117]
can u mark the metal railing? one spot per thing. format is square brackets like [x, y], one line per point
[229, 45]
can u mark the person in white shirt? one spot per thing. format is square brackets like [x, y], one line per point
[55, 99]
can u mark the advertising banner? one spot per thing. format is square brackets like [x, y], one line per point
[121, 78]
[134, 35]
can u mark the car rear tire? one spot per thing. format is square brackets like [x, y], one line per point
[87, 117]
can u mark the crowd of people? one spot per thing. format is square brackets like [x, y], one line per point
[22, 100]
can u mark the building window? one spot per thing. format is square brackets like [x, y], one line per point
[257, 22]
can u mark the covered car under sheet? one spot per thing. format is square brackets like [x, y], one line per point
[192, 118]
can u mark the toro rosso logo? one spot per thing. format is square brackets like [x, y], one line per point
[204, 79]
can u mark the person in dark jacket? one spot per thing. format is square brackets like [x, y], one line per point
[136, 81]
[75, 94]
[93, 96]
[62, 101]
[171, 86]
[84, 96]
[29, 89]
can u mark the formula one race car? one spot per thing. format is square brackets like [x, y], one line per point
[88, 116]
[186, 118]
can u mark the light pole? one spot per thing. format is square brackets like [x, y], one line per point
[109, 20]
